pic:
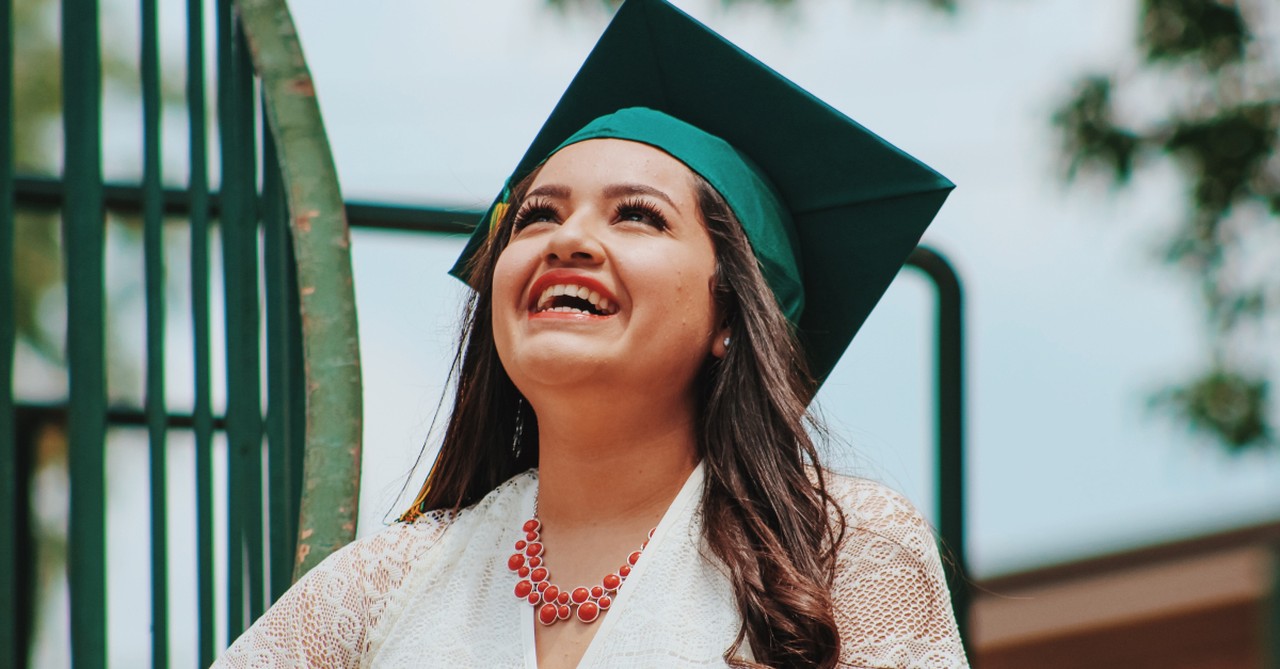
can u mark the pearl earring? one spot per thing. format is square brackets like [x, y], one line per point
[726, 342]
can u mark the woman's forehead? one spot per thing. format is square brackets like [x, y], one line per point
[615, 165]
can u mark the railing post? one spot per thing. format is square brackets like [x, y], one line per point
[198, 196]
[286, 410]
[949, 452]
[82, 241]
[239, 226]
[13, 644]
[153, 252]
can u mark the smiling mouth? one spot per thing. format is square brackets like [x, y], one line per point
[573, 299]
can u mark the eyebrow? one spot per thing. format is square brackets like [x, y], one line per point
[623, 190]
[549, 190]
[612, 191]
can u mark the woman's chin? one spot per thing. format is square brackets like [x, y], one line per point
[558, 365]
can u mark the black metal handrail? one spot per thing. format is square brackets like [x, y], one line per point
[949, 450]
[47, 193]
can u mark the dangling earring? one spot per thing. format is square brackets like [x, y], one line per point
[518, 434]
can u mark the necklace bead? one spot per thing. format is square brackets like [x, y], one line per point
[553, 603]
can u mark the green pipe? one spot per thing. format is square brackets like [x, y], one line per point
[238, 225]
[153, 254]
[229, 213]
[47, 194]
[198, 194]
[249, 415]
[13, 648]
[82, 240]
[322, 244]
[949, 479]
[276, 269]
[296, 411]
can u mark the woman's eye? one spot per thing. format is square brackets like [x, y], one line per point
[535, 214]
[540, 216]
[641, 213]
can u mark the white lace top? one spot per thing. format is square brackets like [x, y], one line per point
[437, 593]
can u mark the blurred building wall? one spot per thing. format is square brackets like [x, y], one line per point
[1201, 603]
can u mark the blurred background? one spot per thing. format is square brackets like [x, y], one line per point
[1116, 231]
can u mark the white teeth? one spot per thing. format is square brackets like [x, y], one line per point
[602, 304]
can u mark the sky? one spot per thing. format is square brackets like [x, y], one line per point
[1071, 323]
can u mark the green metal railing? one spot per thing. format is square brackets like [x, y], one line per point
[82, 243]
[153, 260]
[238, 228]
[260, 539]
[949, 433]
[13, 630]
[202, 419]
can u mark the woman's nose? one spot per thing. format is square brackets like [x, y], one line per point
[575, 240]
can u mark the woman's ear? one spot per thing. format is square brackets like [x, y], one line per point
[722, 340]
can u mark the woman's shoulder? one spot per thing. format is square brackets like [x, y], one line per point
[323, 620]
[405, 538]
[864, 497]
[401, 541]
[890, 593]
[875, 513]
[327, 618]
[399, 544]
[378, 563]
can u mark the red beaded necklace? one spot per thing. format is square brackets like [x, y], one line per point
[552, 602]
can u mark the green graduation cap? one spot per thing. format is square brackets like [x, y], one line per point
[831, 210]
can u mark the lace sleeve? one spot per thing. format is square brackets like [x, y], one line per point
[890, 594]
[325, 618]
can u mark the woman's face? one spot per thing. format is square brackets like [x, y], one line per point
[607, 277]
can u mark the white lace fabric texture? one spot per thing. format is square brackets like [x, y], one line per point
[437, 593]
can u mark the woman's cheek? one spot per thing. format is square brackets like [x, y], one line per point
[506, 278]
[505, 292]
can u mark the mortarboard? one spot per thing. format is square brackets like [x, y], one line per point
[854, 206]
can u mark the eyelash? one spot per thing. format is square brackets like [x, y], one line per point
[540, 207]
[533, 209]
[630, 206]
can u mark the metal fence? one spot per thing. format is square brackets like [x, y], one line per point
[259, 544]
[263, 434]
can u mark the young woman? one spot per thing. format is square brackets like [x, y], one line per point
[628, 478]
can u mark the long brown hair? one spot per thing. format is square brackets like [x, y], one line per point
[767, 515]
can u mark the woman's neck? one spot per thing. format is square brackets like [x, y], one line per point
[598, 464]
